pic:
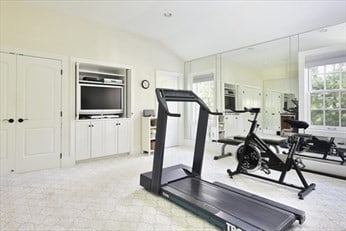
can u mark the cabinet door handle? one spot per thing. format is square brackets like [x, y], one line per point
[20, 120]
[9, 120]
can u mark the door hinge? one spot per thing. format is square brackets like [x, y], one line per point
[60, 155]
[61, 114]
[61, 71]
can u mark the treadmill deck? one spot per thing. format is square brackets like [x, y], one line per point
[228, 206]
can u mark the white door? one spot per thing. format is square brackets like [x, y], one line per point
[272, 109]
[170, 80]
[123, 136]
[38, 120]
[96, 139]
[82, 140]
[110, 134]
[7, 112]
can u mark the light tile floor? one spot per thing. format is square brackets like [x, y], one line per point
[106, 195]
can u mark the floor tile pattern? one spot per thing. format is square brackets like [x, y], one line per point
[106, 195]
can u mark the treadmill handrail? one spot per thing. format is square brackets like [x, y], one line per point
[164, 95]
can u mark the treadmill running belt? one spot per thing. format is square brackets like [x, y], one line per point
[251, 211]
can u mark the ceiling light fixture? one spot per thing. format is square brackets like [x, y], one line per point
[167, 14]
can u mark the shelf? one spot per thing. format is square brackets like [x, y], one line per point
[101, 73]
[100, 83]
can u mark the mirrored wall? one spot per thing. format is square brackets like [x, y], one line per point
[269, 76]
[322, 80]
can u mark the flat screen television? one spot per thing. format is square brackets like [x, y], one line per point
[101, 99]
[230, 103]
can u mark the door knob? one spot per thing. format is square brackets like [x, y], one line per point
[9, 120]
[20, 120]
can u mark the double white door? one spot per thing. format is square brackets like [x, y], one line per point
[30, 113]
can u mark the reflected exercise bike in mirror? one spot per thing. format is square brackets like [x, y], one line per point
[255, 154]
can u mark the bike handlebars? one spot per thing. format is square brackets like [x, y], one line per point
[165, 95]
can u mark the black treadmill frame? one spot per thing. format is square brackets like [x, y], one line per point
[155, 182]
[163, 113]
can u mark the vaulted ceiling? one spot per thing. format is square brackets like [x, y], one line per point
[201, 28]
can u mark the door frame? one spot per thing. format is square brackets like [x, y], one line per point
[180, 80]
[66, 98]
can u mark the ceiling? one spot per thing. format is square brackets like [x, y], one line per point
[283, 51]
[201, 28]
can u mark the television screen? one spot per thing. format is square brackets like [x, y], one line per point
[101, 98]
[230, 103]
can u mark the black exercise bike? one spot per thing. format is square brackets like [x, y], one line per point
[256, 154]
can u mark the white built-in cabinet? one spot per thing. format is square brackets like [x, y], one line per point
[148, 134]
[233, 124]
[30, 113]
[237, 123]
[101, 137]
[98, 132]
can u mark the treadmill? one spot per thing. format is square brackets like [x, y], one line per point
[224, 206]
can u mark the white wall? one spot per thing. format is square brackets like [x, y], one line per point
[236, 73]
[23, 26]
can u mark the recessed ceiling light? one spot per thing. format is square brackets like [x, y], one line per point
[323, 30]
[167, 14]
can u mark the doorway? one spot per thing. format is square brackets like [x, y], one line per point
[172, 80]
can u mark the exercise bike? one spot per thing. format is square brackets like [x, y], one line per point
[255, 154]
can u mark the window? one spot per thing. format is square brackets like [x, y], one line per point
[327, 91]
[204, 86]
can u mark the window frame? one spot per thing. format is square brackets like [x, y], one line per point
[324, 92]
[304, 93]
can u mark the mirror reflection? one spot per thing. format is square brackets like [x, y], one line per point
[273, 76]
[322, 79]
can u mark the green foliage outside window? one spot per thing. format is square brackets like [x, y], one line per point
[332, 100]
[328, 95]
[343, 80]
[332, 118]
[317, 117]
[317, 82]
[316, 101]
[343, 118]
[332, 81]
[343, 99]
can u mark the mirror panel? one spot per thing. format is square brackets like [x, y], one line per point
[270, 75]
[322, 73]
[201, 76]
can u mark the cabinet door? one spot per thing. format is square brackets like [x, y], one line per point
[123, 136]
[233, 125]
[110, 129]
[38, 127]
[7, 112]
[272, 109]
[82, 138]
[97, 139]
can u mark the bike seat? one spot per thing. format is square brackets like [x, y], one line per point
[297, 123]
